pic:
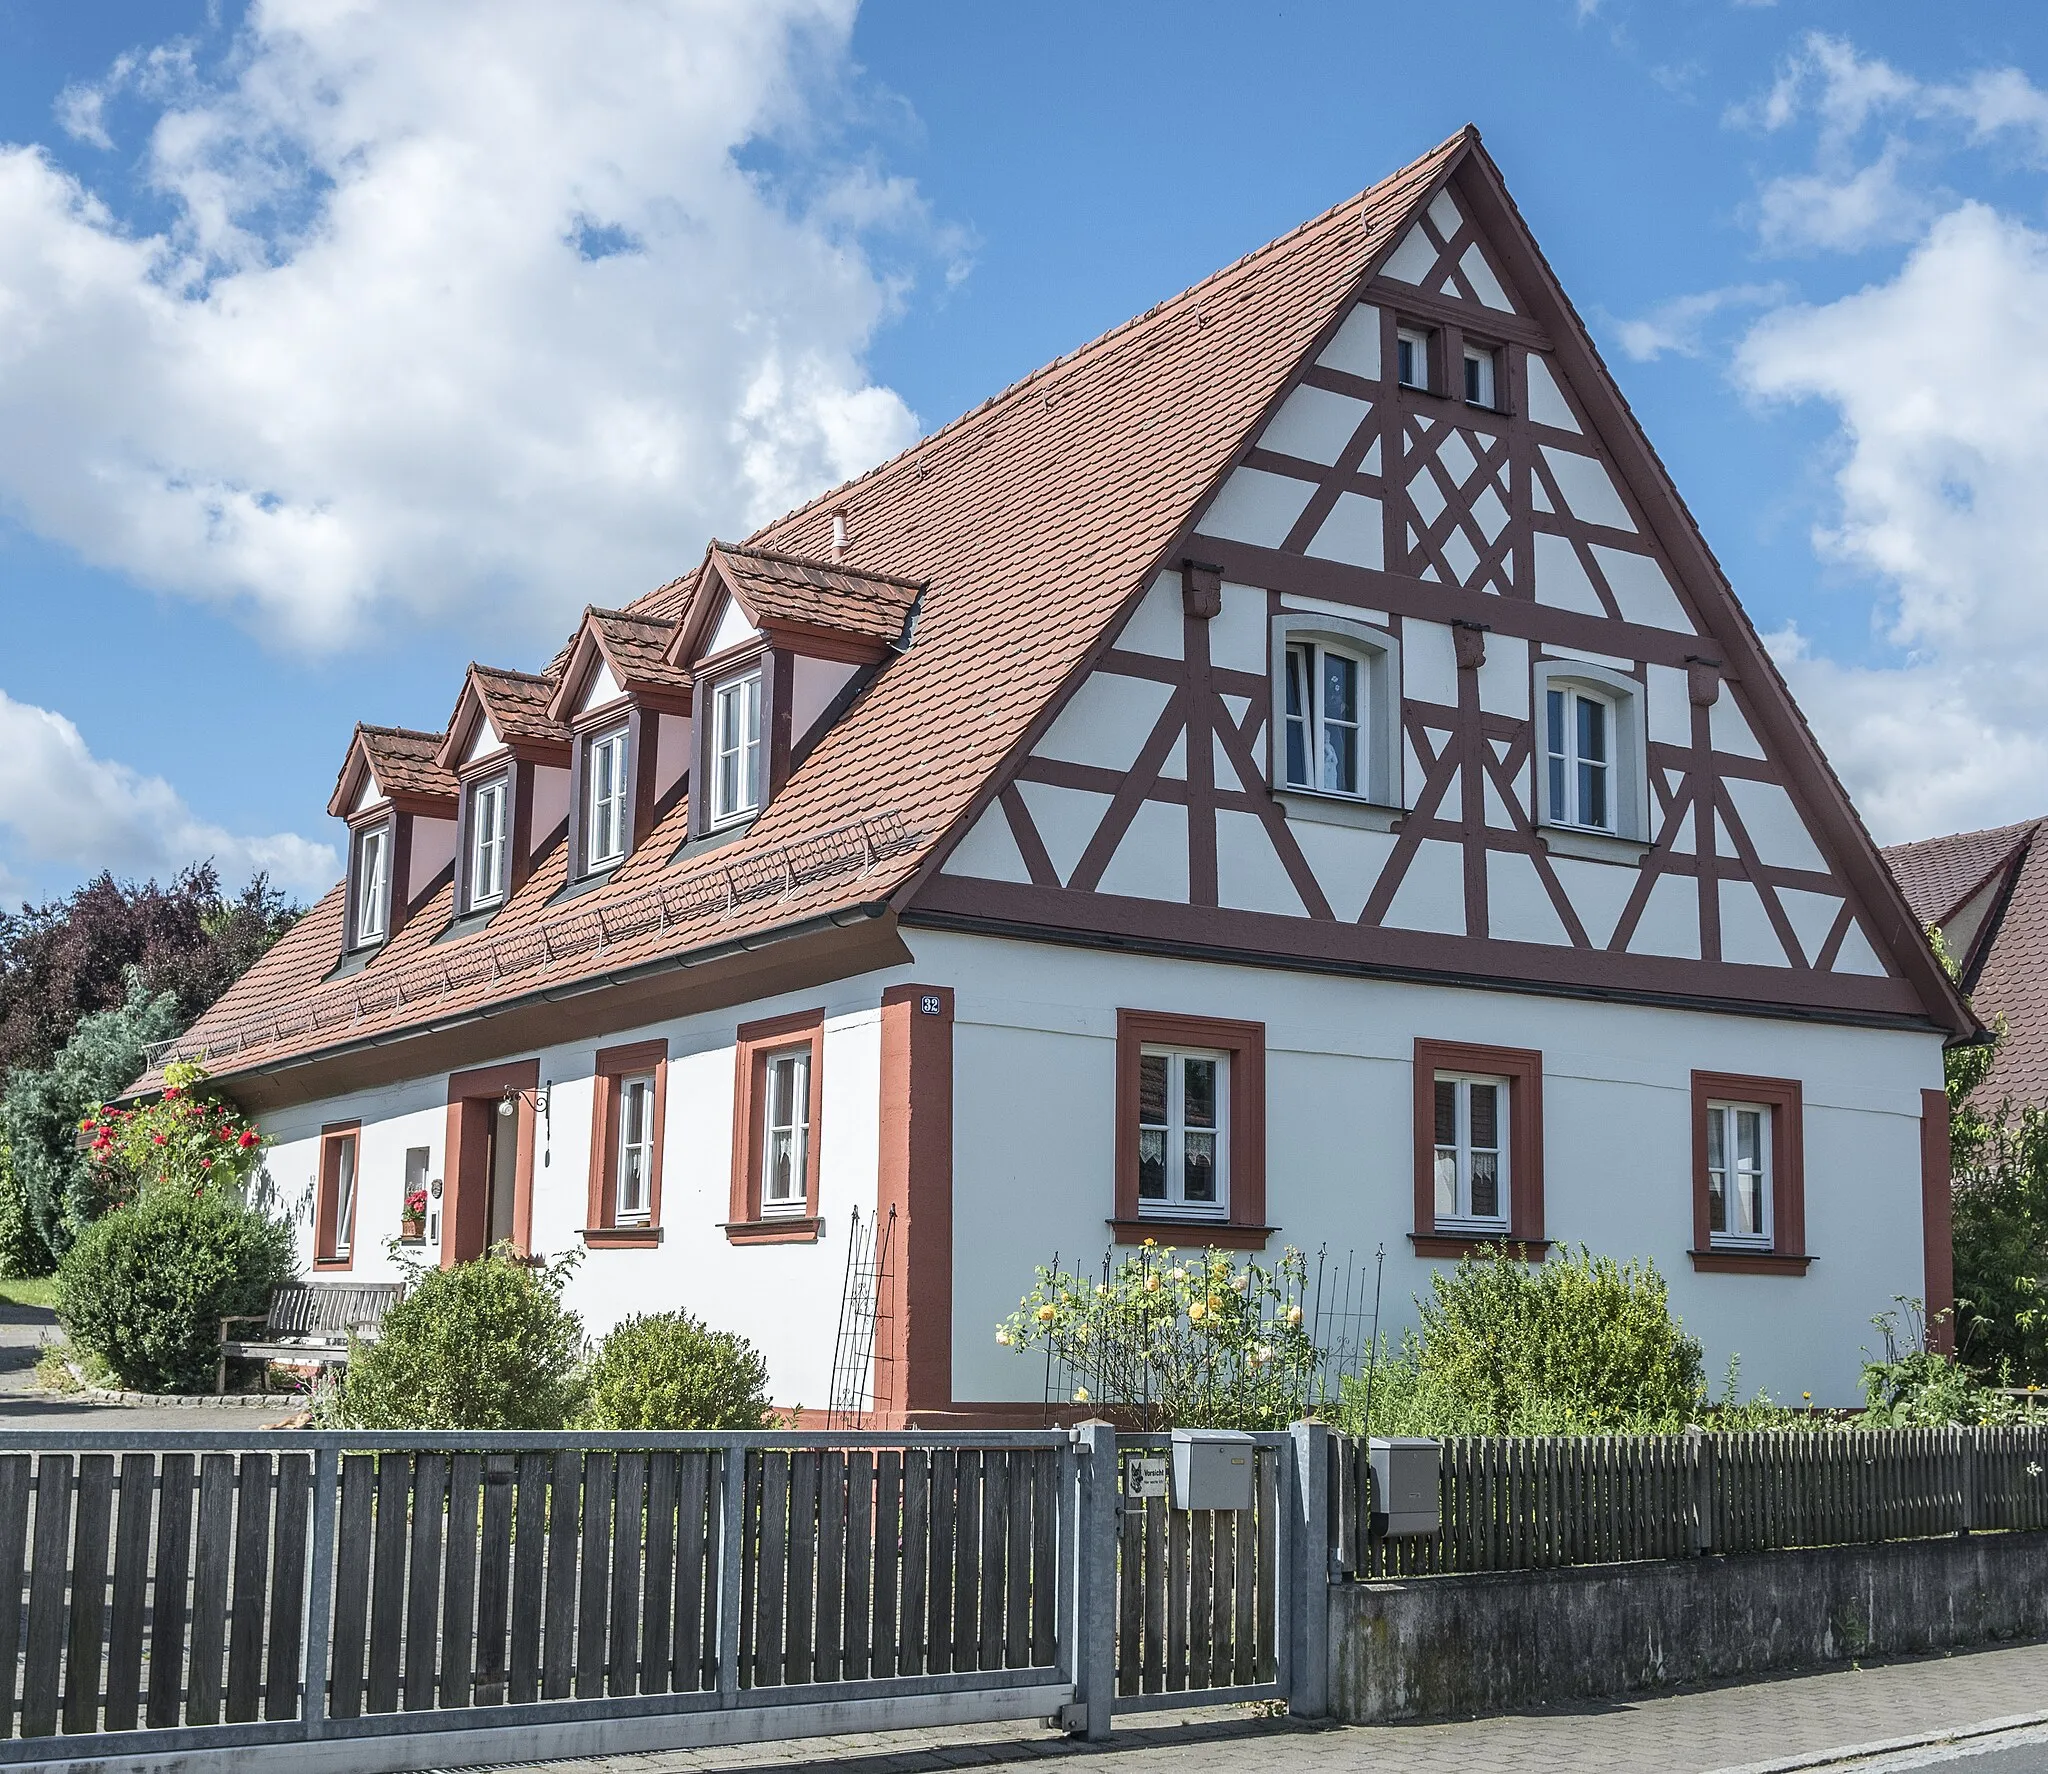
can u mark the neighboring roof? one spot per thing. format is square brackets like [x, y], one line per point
[515, 703]
[1938, 874]
[782, 588]
[637, 645]
[2001, 945]
[403, 760]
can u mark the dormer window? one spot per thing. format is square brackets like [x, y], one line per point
[373, 885]
[736, 748]
[487, 847]
[605, 825]
[1480, 373]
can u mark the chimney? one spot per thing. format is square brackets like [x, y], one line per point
[839, 535]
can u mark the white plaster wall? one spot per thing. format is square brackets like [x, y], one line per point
[1036, 1025]
[784, 1297]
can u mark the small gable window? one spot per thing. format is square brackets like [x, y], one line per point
[605, 816]
[736, 748]
[1579, 748]
[1336, 702]
[373, 885]
[1325, 695]
[1592, 786]
[1411, 357]
[487, 848]
[1480, 370]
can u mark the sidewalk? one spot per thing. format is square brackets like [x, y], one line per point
[1788, 1722]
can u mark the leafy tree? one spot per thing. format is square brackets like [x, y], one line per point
[40, 1111]
[70, 958]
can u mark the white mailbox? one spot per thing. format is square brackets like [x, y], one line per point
[1406, 1493]
[1212, 1469]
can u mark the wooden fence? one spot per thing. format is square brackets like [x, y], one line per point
[1197, 1590]
[1516, 1503]
[159, 1591]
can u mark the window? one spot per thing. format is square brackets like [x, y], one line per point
[1191, 1129]
[1471, 1152]
[786, 1133]
[1183, 1133]
[1578, 743]
[1411, 357]
[776, 1133]
[1739, 1174]
[625, 1145]
[419, 1198]
[1325, 719]
[1478, 1148]
[334, 1207]
[1592, 786]
[487, 842]
[1749, 1212]
[736, 748]
[373, 885]
[1337, 704]
[1480, 366]
[605, 820]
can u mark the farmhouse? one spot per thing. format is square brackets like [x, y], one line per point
[1288, 773]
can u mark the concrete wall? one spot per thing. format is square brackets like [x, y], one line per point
[1432, 1646]
[1034, 1122]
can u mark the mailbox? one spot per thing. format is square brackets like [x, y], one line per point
[1212, 1469]
[1406, 1493]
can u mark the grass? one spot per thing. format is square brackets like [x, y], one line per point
[42, 1291]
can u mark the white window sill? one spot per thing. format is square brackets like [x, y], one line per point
[1591, 846]
[1176, 1213]
[1323, 808]
[1471, 1228]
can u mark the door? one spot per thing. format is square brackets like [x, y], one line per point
[504, 1176]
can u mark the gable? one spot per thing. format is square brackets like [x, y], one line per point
[602, 688]
[1492, 552]
[369, 795]
[483, 741]
[731, 627]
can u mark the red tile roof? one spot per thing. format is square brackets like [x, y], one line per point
[403, 760]
[2008, 976]
[818, 593]
[517, 702]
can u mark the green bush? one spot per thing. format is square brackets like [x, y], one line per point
[667, 1371]
[145, 1288]
[23, 1254]
[1577, 1344]
[484, 1345]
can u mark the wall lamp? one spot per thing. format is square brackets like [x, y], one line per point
[542, 1101]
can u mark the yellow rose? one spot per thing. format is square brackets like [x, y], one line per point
[1045, 1315]
[1215, 1302]
[1178, 1274]
[1197, 1312]
[1003, 1337]
[1151, 1284]
[1080, 1394]
[1293, 1314]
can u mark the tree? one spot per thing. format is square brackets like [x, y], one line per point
[70, 958]
[40, 1111]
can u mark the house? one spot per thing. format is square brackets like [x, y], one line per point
[1288, 773]
[1987, 893]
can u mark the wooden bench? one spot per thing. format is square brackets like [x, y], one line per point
[308, 1325]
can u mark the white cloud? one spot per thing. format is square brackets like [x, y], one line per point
[460, 309]
[1676, 326]
[63, 805]
[1939, 379]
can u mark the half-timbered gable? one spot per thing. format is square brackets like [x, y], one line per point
[1557, 753]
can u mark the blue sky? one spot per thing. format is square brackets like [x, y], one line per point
[338, 350]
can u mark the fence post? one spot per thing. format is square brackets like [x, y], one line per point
[1971, 1437]
[1307, 1574]
[1099, 1496]
[320, 1588]
[1699, 1460]
[732, 1472]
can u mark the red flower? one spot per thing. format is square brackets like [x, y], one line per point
[247, 1140]
[206, 1164]
[227, 1133]
[159, 1138]
[170, 1090]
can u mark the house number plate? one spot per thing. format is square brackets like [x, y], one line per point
[930, 1004]
[1144, 1476]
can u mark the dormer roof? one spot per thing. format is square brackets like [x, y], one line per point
[515, 703]
[634, 649]
[405, 766]
[820, 605]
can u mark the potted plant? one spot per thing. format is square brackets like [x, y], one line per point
[412, 1225]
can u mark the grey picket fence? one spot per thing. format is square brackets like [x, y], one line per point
[215, 1592]
[1517, 1503]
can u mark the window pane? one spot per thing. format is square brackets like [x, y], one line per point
[1592, 729]
[1717, 1123]
[1297, 716]
[1593, 794]
[1749, 1139]
[1446, 1113]
[1199, 1077]
[781, 1178]
[1340, 688]
[1485, 1117]
[1340, 759]
[1199, 1181]
[1446, 1183]
[1555, 710]
[344, 1192]
[1749, 1207]
[1152, 1164]
[1717, 1201]
[1152, 1090]
[1485, 1182]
